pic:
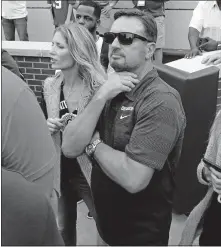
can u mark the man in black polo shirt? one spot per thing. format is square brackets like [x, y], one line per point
[141, 123]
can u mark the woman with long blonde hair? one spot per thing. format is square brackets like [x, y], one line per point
[65, 95]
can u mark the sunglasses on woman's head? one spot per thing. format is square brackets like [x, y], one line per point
[124, 38]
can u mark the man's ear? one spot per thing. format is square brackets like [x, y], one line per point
[150, 49]
[98, 22]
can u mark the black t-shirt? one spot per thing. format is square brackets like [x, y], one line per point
[27, 215]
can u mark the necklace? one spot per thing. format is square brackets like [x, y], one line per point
[72, 90]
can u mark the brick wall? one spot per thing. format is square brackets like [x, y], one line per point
[34, 70]
[34, 63]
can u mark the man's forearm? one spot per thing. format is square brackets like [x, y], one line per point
[193, 37]
[129, 174]
[79, 132]
[113, 163]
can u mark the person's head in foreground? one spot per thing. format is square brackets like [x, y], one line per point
[132, 41]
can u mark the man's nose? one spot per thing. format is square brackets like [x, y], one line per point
[116, 43]
[81, 21]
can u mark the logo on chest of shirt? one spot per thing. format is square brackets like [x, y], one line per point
[126, 111]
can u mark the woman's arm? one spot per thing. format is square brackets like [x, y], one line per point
[203, 174]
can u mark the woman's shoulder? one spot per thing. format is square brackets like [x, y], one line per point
[53, 80]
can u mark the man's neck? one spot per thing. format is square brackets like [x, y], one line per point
[143, 70]
[95, 36]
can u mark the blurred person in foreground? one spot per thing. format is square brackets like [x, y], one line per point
[209, 174]
[27, 147]
[27, 216]
[9, 63]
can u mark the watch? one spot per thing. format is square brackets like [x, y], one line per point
[219, 46]
[90, 148]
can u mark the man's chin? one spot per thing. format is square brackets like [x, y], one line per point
[117, 67]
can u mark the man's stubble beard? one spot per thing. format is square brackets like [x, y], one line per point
[92, 29]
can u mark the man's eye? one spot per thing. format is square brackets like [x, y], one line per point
[78, 17]
[87, 18]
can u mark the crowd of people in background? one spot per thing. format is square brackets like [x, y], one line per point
[108, 131]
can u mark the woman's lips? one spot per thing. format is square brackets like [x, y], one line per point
[53, 60]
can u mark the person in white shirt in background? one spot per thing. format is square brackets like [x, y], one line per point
[15, 16]
[205, 28]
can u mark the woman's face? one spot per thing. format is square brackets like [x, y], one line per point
[60, 55]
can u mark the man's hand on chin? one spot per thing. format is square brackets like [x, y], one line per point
[118, 83]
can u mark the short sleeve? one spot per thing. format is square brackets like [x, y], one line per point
[27, 146]
[198, 17]
[157, 129]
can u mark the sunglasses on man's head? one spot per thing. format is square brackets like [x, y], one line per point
[124, 38]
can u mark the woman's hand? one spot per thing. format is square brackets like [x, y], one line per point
[206, 174]
[54, 125]
[216, 180]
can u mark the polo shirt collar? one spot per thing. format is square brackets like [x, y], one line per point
[146, 80]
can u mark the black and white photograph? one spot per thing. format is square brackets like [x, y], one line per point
[110, 123]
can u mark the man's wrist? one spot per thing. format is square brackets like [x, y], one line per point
[101, 96]
[91, 148]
